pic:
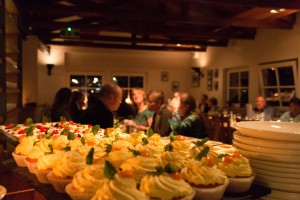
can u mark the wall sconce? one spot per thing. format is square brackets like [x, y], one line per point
[49, 67]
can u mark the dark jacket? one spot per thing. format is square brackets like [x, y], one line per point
[160, 123]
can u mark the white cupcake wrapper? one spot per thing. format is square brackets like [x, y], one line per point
[20, 159]
[215, 193]
[239, 185]
[41, 174]
[58, 183]
[75, 195]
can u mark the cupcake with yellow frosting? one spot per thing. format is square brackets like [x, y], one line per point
[24, 147]
[140, 165]
[202, 174]
[86, 182]
[118, 185]
[44, 166]
[239, 172]
[166, 184]
[117, 155]
[152, 145]
[65, 168]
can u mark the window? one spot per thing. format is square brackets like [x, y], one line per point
[278, 82]
[87, 84]
[128, 82]
[237, 86]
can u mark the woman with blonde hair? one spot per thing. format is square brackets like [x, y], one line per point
[143, 117]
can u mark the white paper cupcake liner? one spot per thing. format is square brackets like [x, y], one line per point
[20, 159]
[215, 193]
[239, 185]
[58, 183]
[41, 174]
[76, 195]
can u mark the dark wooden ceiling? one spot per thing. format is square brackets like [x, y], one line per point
[184, 25]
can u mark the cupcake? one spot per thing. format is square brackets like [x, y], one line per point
[166, 184]
[24, 147]
[65, 168]
[139, 165]
[202, 174]
[117, 155]
[118, 185]
[44, 166]
[239, 172]
[86, 182]
[152, 145]
[40, 148]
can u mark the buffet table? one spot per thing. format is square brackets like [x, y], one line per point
[255, 192]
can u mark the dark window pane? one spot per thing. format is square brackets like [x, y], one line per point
[286, 76]
[136, 81]
[272, 96]
[233, 96]
[269, 77]
[244, 79]
[77, 81]
[234, 79]
[94, 81]
[122, 81]
[244, 97]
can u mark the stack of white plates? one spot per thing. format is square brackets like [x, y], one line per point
[273, 149]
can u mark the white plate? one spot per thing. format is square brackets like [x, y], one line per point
[265, 143]
[265, 172]
[278, 186]
[276, 194]
[274, 168]
[254, 148]
[269, 156]
[276, 164]
[279, 131]
[2, 192]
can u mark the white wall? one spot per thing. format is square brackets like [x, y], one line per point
[269, 45]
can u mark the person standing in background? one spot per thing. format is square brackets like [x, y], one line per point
[189, 123]
[262, 112]
[101, 111]
[155, 102]
[143, 117]
[293, 115]
[61, 105]
[203, 106]
[77, 104]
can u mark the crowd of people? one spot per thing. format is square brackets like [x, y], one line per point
[181, 115]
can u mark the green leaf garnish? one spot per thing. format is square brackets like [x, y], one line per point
[45, 119]
[29, 130]
[172, 137]
[169, 168]
[36, 142]
[82, 141]
[159, 171]
[201, 142]
[71, 136]
[95, 129]
[63, 118]
[134, 152]
[65, 131]
[145, 140]
[51, 149]
[108, 148]
[90, 156]
[117, 125]
[109, 170]
[168, 147]
[106, 133]
[67, 148]
[203, 153]
[222, 156]
[47, 136]
[149, 132]
[29, 121]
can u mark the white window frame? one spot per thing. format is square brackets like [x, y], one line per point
[239, 87]
[275, 65]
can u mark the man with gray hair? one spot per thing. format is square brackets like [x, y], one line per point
[101, 111]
